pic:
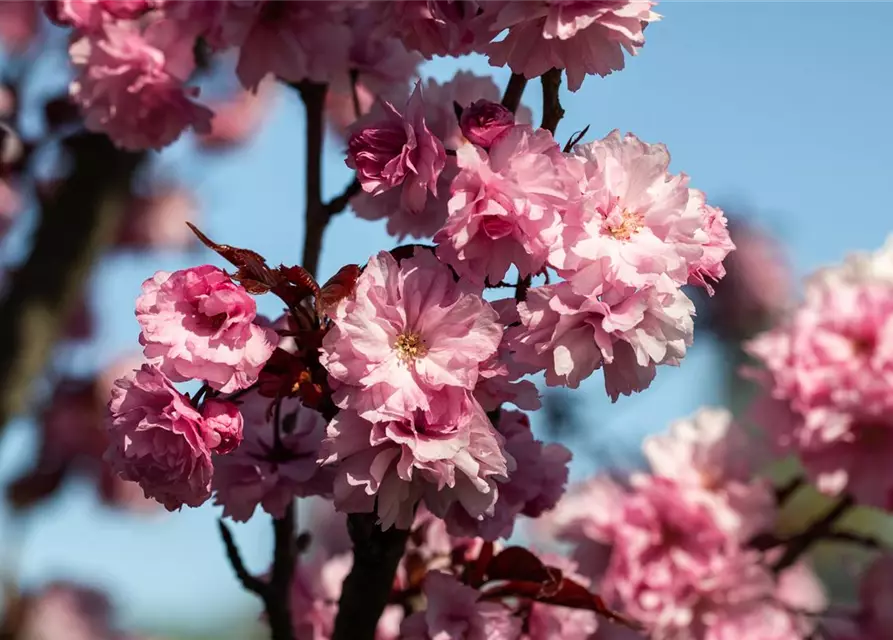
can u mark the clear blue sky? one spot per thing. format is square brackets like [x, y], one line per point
[785, 106]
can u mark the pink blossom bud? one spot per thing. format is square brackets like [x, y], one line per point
[224, 423]
[484, 121]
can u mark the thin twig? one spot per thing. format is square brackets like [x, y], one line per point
[785, 491]
[855, 538]
[337, 204]
[314, 97]
[354, 77]
[511, 99]
[575, 139]
[249, 581]
[800, 544]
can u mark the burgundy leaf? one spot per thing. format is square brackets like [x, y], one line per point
[338, 287]
[517, 563]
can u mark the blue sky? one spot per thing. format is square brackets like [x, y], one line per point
[782, 106]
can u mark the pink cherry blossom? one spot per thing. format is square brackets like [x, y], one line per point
[237, 119]
[626, 331]
[828, 374]
[260, 472]
[637, 221]
[19, 24]
[584, 38]
[506, 206]
[408, 334]
[533, 488]
[484, 121]
[159, 440]
[10, 206]
[225, 422]
[197, 324]
[876, 597]
[399, 152]
[91, 15]
[131, 84]
[295, 41]
[716, 245]
[438, 28]
[546, 621]
[66, 611]
[455, 611]
[158, 220]
[451, 457]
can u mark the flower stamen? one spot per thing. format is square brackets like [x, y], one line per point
[410, 347]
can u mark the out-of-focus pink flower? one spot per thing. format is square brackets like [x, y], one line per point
[637, 222]
[225, 423]
[197, 324]
[315, 591]
[828, 378]
[159, 440]
[484, 121]
[68, 612]
[131, 84]
[259, 473]
[451, 457]
[407, 335]
[757, 286]
[437, 28]
[294, 41]
[19, 24]
[875, 618]
[548, 622]
[87, 15]
[506, 206]
[455, 611]
[584, 38]
[534, 487]
[624, 330]
[237, 119]
[399, 152]
[10, 206]
[158, 220]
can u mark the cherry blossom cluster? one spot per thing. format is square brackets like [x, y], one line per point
[827, 372]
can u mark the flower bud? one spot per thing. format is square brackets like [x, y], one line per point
[484, 121]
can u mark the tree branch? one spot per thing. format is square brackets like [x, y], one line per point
[78, 221]
[366, 590]
[511, 99]
[338, 203]
[821, 528]
[314, 97]
[552, 110]
[250, 582]
[284, 557]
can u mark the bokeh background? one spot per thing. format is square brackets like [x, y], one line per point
[779, 111]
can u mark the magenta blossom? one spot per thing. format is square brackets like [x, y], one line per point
[260, 472]
[506, 206]
[225, 421]
[584, 38]
[625, 331]
[407, 335]
[159, 440]
[399, 152]
[455, 611]
[442, 27]
[131, 84]
[452, 455]
[91, 15]
[198, 324]
[484, 121]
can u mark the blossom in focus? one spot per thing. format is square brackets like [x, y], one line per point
[407, 335]
[197, 324]
[260, 473]
[454, 610]
[158, 220]
[449, 456]
[130, 84]
[625, 331]
[534, 487]
[159, 440]
[398, 152]
[224, 423]
[584, 38]
[484, 121]
[717, 245]
[19, 24]
[442, 28]
[506, 206]
[827, 375]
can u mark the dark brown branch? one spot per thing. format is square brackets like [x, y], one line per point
[284, 557]
[316, 218]
[78, 221]
[367, 588]
[575, 139]
[250, 582]
[855, 538]
[821, 528]
[552, 110]
[785, 491]
[337, 204]
[511, 99]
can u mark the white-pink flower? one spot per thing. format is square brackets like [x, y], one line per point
[267, 471]
[455, 611]
[584, 38]
[130, 84]
[407, 334]
[157, 439]
[450, 456]
[398, 152]
[626, 331]
[506, 206]
[197, 324]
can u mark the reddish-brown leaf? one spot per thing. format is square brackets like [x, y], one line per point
[517, 563]
[300, 278]
[338, 287]
[252, 271]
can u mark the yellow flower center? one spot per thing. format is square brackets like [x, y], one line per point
[630, 223]
[410, 347]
